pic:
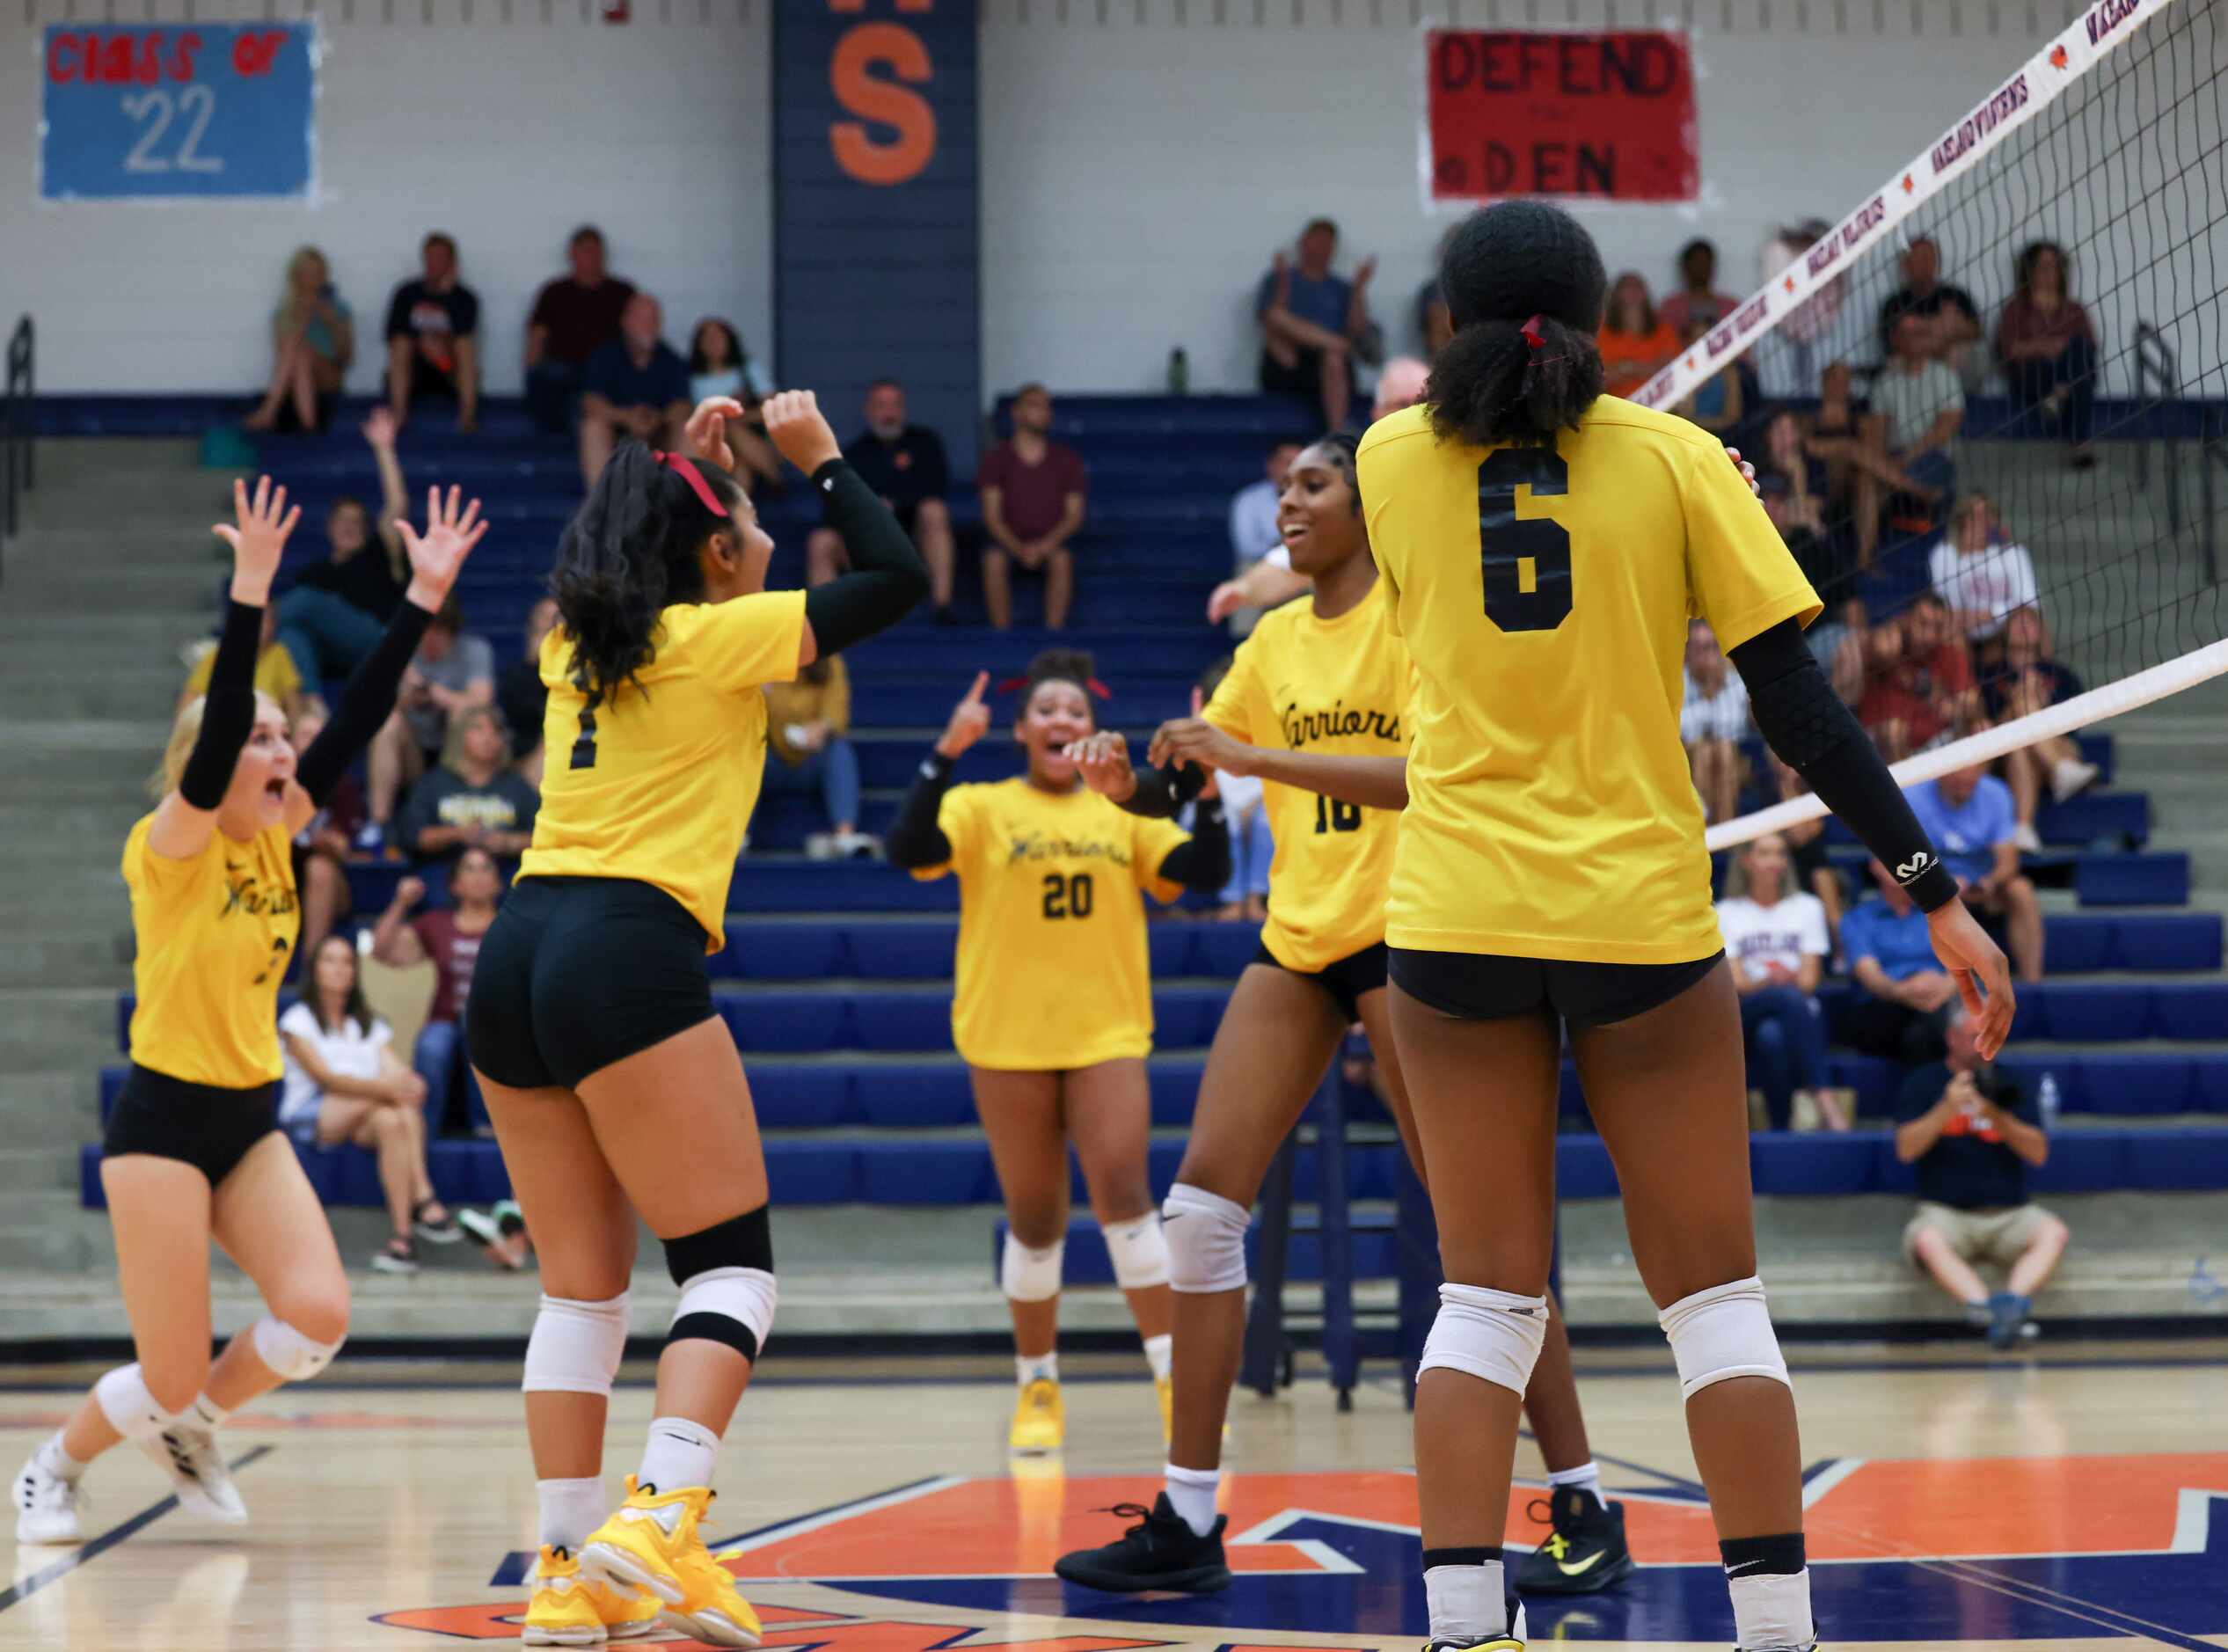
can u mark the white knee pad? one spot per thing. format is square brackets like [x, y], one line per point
[1139, 1253]
[735, 1305]
[1031, 1276]
[124, 1399]
[1205, 1234]
[1494, 1335]
[291, 1356]
[576, 1346]
[1725, 1331]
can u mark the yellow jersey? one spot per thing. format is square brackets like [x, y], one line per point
[214, 935]
[1052, 970]
[657, 783]
[1545, 594]
[1338, 686]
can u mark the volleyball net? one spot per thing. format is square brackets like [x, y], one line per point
[2015, 510]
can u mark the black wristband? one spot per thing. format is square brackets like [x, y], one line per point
[913, 838]
[228, 708]
[1161, 793]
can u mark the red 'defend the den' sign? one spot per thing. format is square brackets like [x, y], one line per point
[1607, 116]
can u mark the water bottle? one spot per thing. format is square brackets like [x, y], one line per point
[1179, 372]
[2046, 1101]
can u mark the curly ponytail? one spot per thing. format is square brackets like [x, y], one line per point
[1515, 265]
[631, 551]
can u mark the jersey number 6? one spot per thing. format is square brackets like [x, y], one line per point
[1525, 564]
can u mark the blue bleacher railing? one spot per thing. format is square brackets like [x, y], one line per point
[16, 474]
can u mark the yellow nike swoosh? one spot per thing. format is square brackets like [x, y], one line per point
[1583, 1566]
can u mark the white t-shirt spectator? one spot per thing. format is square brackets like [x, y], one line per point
[1723, 715]
[1254, 532]
[1912, 400]
[352, 1052]
[1791, 929]
[1993, 582]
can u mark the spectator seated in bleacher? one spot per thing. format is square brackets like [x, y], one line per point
[1967, 815]
[1918, 681]
[1797, 496]
[345, 1087]
[448, 938]
[1635, 342]
[322, 848]
[338, 609]
[1980, 571]
[1034, 490]
[521, 696]
[276, 675]
[2025, 681]
[1697, 299]
[720, 365]
[1920, 406]
[807, 755]
[1315, 324]
[1715, 404]
[1949, 330]
[905, 464]
[433, 339]
[472, 800]
[1712, 721]
[2049, 348]
[1776, 938]
[574, 316]
[313, 338]
[1970, 1138]
[1244, 898]
[1904, 996]
[1253, 535]
[1843, 432]
[635, 385]
[1813, 873]
[450, 673]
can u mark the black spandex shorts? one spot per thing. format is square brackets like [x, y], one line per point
[199, 1124]
[577, 973]
[1303, 378]
[1488, 987]
[1346, 980]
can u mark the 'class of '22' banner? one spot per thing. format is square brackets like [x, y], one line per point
[1575, 114]
[195, 110]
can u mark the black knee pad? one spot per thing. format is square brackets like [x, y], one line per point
[742, 1241]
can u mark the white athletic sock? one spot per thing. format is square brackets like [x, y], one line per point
[1160, 1354]
[1587, 1477]
[1771, 1611]
[1037, 1368]
[52, 1460]
[1466, 1602]
[571, 1508]
[208, 1413]
[678, 1453]
[1191, 1494]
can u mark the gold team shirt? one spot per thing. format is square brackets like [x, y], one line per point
[1543, 594]
[214, 935]
[658, 784]
[1052, 968]
[1336, 686]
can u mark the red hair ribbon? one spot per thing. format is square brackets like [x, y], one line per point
[686, 468]
[1533, 336]
[1098, 689]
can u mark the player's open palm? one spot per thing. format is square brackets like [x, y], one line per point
[796, 427]
[1104, 759]
[258, 534]
[970, 719]
[706, 433]
[1976, 963]
[453, 527]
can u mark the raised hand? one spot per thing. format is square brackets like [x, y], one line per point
[798, 430]
[452, 529]
[970, 719]
[1367, 268]
[1227, 598]
[1104, 758]
[380, 429]
[706, 433]
[258, 534]
[1195, 741]
[408, 893]
[1976, 963]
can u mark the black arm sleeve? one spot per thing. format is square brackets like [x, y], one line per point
[1804, 720]
[1161, 793]
[1200, 863]
[887, 577]
[365, 705]
[228, 710]
[915, 839]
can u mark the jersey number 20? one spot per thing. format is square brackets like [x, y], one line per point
[1526, 564]
[1067, 897]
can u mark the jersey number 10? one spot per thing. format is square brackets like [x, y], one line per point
[1526, 564]
[1331, 815]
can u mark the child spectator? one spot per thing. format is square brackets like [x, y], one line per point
[904, 463]
[720, 365]
[473, 800]
[806, 754]
[1979, 571]
[634, 385]
[1904, 996]
[1715, 403]
[1970, 817]
[1697, 299]
[313, 338]
[522, 698]
[1776, 938]
[451, 673]
[449, 937]
[338, 611]
[1918, 687]
[275, 671]
[1033, 490]
[1314, 323]
[1712, 721]
[1636, 343]
[2028, 681]
[344, 1086]
[2049, 348]
[574, 316]
[433, 338]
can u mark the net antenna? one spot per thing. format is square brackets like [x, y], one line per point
[2083, 481]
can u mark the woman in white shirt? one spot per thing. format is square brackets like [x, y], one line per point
[1776, 939]
[1979, 572]
[346, 1085]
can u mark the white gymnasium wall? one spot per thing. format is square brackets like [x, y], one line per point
[1144, 157]
[506, 124]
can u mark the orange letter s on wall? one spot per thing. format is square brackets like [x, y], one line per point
[869, 45]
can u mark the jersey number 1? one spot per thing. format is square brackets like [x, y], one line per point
[584, 747]
[1526, 564]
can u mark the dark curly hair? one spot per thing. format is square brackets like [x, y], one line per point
[1060, 665]
[1502, 265]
